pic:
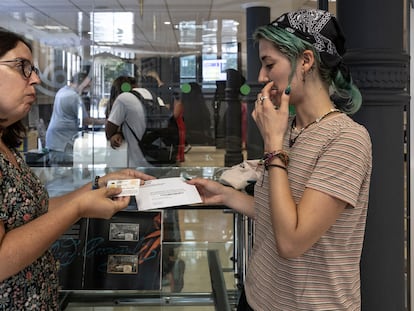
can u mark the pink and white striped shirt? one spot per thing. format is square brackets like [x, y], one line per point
[333, 156]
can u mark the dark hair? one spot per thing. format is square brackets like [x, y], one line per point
[117, 88]
[14, 133]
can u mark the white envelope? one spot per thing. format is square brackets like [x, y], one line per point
[166, 192]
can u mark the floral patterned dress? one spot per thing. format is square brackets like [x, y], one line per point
[23, 198]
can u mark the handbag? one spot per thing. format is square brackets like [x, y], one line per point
[240, 175]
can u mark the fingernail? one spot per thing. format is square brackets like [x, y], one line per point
[287, 90]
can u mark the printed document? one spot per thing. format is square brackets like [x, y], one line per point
[166, 192]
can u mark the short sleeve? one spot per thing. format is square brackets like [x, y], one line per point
[344, 164]
[118, 112]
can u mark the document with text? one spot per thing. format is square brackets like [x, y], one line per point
[166, 192]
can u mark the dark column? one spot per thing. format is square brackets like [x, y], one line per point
[233, 154]
[380, 67]
[219, 106]
[255, 17]
[323, 5]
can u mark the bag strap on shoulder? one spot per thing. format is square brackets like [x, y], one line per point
[133, 133]
[145, 95]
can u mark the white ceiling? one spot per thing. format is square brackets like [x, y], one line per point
[66, 23]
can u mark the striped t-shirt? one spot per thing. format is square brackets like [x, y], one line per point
[332, 156]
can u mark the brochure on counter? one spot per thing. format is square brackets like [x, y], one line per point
[158, 193]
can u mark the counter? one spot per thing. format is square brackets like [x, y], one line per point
[101, 263]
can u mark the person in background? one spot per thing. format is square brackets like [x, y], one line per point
[310, 204]
[119, 85]
[152, 81]
[126, 114]
[30, 221]
[196, 116]
[172, 100]
[66, 121]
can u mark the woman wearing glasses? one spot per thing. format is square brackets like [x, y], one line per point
[310, 206]
[29, 221]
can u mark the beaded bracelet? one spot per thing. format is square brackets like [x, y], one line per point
[96, 183]
[281, 154]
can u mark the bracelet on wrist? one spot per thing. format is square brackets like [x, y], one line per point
[281, 154]
[95, 184]
[277, 166]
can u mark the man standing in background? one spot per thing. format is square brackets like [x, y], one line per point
[68, 116]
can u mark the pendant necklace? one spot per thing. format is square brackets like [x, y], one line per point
[293, 140]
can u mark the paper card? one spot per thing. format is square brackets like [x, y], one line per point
[129, 186]
[166, 192]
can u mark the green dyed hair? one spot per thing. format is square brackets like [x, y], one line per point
[344, 93]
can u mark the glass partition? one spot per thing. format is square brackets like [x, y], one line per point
[203, 250]
[189, 48]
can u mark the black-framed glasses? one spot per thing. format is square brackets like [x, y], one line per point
[25, 65]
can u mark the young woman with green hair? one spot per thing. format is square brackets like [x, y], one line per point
[310, 205]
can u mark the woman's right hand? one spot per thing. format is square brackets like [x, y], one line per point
[100, 203]
[271, 114]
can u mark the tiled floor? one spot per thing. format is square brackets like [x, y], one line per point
[200, 230]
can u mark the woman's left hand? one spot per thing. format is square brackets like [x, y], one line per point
[271, 118]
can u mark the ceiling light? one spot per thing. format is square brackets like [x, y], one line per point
[190, 43]
[52, 27]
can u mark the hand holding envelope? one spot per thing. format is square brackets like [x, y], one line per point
[166, 192]
[158, 193]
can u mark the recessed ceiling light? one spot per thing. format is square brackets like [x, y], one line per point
[52, 27]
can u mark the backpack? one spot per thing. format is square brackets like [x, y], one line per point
[159, 144]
